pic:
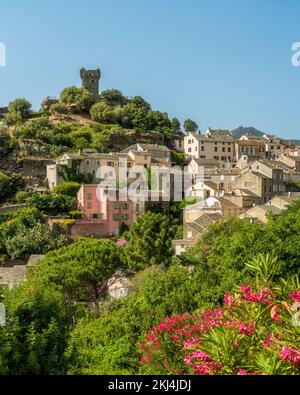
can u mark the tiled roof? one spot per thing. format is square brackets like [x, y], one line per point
[215, 135]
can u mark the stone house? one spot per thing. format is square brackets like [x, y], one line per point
[214, 144]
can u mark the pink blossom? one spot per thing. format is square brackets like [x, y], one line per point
[187, 359]
[295, 295]
[247, 329]
[228, 300]
[242, 372]
[290, 354]
[274, 314]
[202, 356]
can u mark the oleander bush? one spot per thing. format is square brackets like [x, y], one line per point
[255, 332]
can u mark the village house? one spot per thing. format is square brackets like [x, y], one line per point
[214, 144]
[274, 206]
[101, 215]
[249, 150]
[88, 161]
[264, 178]
[208, 179]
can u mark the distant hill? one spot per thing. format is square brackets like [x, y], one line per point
[240, 131]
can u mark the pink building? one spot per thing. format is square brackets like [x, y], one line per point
[102, 217]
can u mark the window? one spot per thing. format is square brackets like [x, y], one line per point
[229, 149]
[202, 148]
[116, 205]
[98, 162]
[189, 149]
[87, 162]
[89, 205]
[116, 217]
[137, 208]
[196, 148]
[125, 216]
[223, 149]
[96, 216]
[216, 149]
[125, 206]
[89, 196]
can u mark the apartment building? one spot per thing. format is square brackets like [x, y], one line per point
[213, 145]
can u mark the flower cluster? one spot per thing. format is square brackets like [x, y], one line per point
[263, 297]
[217, 341]
[290, 354]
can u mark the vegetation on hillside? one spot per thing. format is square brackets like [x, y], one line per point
[63, 309]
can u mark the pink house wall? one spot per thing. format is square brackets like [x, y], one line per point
[111, 214]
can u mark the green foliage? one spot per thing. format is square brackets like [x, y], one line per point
[113, 97]
[149, 241]
[55, 204]
[178, 158]
[81, 270]
[254, 333]
[58, 109]
[190, 126]
[175, 125]
[35, 336]
[108, 345]
[36, 240]
[21, 196]
[9, 185]
[18, 109]
[67, 188]
[80, 98]
[224, 250]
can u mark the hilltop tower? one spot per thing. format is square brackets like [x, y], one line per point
[90, 80]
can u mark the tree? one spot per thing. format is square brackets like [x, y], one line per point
[20, 106]
[82, 269]
[67, 188]
[9, 185]
[149, 241]
[102, 112]
[175, 125]
[190, 126]
[113, 98]
[108, 344]
[138, 101]
[21, 196]
[53, 203]
[35, 336]
[35, 240]
[58, 109]
[81, 98]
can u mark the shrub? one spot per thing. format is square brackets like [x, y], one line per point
[256, 332]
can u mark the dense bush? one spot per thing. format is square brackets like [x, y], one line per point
[256, 332]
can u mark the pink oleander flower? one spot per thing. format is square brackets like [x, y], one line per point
[201, 356]
[189, 343]
[269, 340]
[290, 354]
[263, 297]
[242, 372]
[246, 329]
[228, 300]
[187, 359]
[295, 295]
[274, 314]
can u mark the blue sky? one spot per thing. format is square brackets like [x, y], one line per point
[221, 63]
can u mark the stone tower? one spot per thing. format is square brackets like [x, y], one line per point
[90, 80]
